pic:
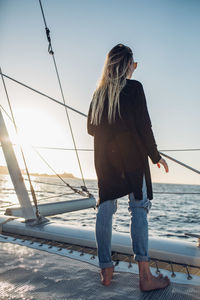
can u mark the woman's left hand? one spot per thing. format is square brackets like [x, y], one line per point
[165, 165]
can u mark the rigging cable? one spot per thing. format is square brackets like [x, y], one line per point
[42, 94]
[84, 149]
[180, 163]
[51, 52]
[87, 149]
[71, 108]
[22, 153]
[67, 184]
[169, 157]
[45, 161]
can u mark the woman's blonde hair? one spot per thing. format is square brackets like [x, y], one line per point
[112, 81]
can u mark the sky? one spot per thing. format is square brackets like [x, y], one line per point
[164, 36]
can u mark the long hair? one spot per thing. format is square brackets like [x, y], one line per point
[112, 81]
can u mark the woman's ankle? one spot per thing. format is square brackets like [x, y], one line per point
[144, 270]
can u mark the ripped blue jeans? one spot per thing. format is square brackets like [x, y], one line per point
[138, 210]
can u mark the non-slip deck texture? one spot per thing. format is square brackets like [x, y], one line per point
[172, 267]
[33, 274]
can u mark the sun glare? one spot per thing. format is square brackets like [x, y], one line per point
[37, 128]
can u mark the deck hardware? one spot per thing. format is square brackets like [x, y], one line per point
[31, 243]
[157, 269]
[130, 264]
[173, 274]
[189, 277]
[60, 249]
[50, 247]
[23, 241]
[117, 262]
[115, 257]
[14, 239]
[40, 245]
[71, 251]
[82, 253]
[92, 257]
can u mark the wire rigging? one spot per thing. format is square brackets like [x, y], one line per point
[67, 184]
[169, 157]
[48, 183]
[80, 192]
[42, 94]
[22, 152]
[50, 50]
[12, 118]
[180, 163]
[83, 149]
[71, 108]
[45, 161]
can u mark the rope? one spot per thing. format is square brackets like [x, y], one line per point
[68, 149]
[173, 193]
[77, 111]
[6, 111]
[50, 50]
[71, 187]
[22, 153]
[42, 94]
[178, 193]
[57, 196]
[168, 150]
[169, 157]
[180, 163]
[96, 189]
[67, 184]
[8, 191]
[48, 183]
[85, 150]
[72, 149]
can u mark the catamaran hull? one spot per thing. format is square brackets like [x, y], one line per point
[162, 249]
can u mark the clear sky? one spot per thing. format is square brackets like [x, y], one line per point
[164, 36]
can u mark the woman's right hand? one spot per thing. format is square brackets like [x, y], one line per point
[165, 165]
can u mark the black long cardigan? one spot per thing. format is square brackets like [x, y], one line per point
[121, 149]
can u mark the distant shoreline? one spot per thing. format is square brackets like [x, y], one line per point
[4, 171]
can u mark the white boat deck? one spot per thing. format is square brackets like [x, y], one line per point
[34, 274]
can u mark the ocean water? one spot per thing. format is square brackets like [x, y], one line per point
[171, 216]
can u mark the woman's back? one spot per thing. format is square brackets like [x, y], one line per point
[122, 147]
[128, 105]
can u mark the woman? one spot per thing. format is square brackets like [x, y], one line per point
[123, 139]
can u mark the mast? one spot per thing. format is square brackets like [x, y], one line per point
[15, 172]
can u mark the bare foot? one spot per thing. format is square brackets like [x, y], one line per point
[154, 283]
[107, 275]
[160, 276]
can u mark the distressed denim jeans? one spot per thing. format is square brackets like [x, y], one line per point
[138, 210]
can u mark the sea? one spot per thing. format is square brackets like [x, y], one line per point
[175, 208]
